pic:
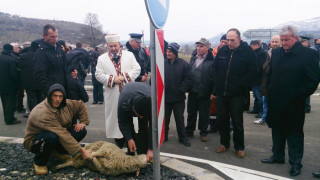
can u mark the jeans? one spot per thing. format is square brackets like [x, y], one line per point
[265, 108]
[257, 99]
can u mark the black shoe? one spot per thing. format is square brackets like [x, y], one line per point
[14, 122]
[82, 145]
[295, 171]
[100, 102]
[307, 111]
[258, 116]
[316, 174]
[95, 103]
[26, 115]
[190, 134]
[185, 142]
[272, 161]
[252, 112]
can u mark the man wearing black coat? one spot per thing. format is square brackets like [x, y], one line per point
[201, 89]
[50, 61]
[134, 46]
[26, 65]
[80, 60]
[177, 82]
[135, 101]
[8, 84]
[294, 75]
[234, 70]
[261, 57]
[97, 86]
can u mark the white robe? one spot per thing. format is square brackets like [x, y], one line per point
[104, 70]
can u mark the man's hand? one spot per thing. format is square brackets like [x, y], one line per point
[212, 97]
[86, 154]
[132, 145]
[79, 127]
[74, 73]
[118, 79]
[144, 77]
[149, 155]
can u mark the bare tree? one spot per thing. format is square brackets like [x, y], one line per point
[92, 33]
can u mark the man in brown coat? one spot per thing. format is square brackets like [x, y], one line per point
[50, 128]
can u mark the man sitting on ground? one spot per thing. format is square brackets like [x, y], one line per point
[50, 129]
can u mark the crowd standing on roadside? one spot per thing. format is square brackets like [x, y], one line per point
[217, 82]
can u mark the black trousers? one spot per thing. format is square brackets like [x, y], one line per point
[19, 98]
[46, 142]
[9, 107]
[231, 107]
[34, 97]
[295, 140]
[178, 110]
[195, 105]
[141, 138]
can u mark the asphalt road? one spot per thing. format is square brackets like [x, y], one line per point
[257, 141]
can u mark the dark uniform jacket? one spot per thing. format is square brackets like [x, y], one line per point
[94, 61]
[234, 70]
[177, 80]
[142, 58]
[9, 77]
[206, 82]
[127, 97]
[293, 77]
[50, 66]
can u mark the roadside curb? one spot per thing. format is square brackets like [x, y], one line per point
[172, 163]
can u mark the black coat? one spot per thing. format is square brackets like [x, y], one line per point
[78, 59]
[293, 77]
[75, 90]
[142, 58]
[94, 61]
[128, 95]
[50, 66]
[26, 66]
[234, 70]
[9, 77]
[178, 80]
[206, 83]
[261, 57]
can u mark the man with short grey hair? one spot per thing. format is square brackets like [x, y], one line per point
[294, 75]
[201, 89]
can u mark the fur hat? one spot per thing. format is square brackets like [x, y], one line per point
[112, 38]
[174, 47]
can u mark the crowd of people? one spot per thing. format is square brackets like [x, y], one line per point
[218, 82]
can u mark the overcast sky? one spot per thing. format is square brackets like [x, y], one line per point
[188, 20]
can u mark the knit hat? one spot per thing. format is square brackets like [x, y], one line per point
[7, 48]
[112, 38]
[142, 105]
[223, 37]
[174, 47]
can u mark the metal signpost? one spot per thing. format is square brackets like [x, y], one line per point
[158, 12]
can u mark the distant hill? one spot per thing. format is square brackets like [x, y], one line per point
[14, 28]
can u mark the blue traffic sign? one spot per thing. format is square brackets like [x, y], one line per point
[158, 11]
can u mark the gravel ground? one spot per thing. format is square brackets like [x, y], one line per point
[16, 163]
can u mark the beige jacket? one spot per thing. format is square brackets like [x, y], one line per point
[44, 117]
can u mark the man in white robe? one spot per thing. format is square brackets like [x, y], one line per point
[115, 69]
